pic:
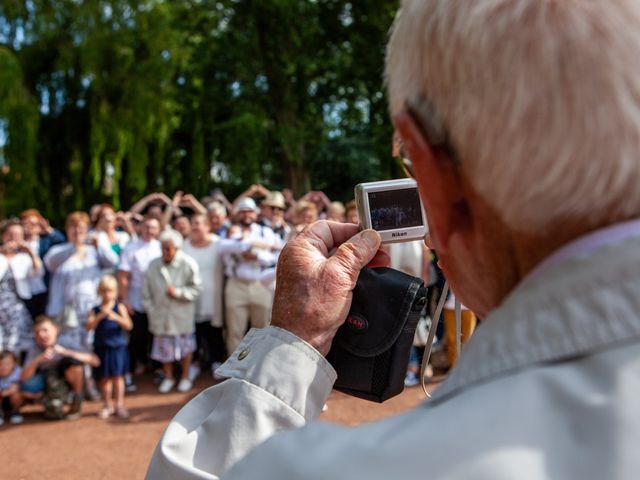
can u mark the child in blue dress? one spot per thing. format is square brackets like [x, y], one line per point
[110, 320]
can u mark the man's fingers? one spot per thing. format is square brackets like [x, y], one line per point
[354, 254]
[326, 236]
[381, 259]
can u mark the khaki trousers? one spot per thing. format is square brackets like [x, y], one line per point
[468, 325]
[247, 303]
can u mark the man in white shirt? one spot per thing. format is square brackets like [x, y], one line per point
[522, 122]
[247, 300]
[134, 261]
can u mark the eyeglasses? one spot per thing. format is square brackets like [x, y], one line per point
[403, 157]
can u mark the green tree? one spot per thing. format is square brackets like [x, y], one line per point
[106, 101]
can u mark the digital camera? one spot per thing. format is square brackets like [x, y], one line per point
[393, 208]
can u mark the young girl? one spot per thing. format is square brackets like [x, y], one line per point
[10, 388]
[110, 320]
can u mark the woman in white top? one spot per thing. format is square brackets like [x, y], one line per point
[77, 268]
[105, 228]
[207, 249]
[18, 263]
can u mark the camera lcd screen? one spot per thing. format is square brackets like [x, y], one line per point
[395, 209]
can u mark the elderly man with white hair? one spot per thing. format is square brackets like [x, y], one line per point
[522, 122]
[171, 286]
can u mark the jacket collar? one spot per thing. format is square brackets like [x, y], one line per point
[585, 304]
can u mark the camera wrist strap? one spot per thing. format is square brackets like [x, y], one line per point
[432, 333]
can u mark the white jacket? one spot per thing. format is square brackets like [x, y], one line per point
[171, 316]
[22, 269]
[547, 388]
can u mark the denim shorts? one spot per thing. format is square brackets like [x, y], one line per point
[35, 384]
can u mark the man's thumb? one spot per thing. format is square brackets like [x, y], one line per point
[357, 252]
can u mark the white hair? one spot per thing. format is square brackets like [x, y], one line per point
[173, 236]
[217, 208]
[539, 99]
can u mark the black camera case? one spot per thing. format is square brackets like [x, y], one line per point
[370, 351]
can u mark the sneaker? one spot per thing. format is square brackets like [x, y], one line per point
[166, 385]
[214, 367]
[122, 412]
[16, 419]
[194, 372]
[75, 410]
[411, 380]
[106, 412]
[129, 386]
[185, 385]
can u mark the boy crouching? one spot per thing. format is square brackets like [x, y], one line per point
[53, 370]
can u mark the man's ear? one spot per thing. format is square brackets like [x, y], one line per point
[439, 183]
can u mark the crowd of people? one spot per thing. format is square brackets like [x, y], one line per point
[169, 287]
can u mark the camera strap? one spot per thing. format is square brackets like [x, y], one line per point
[432, 333]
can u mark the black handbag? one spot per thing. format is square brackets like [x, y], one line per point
[370, 351]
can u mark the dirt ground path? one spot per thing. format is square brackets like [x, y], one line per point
[91, 448]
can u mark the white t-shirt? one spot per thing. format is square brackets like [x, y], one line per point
[210, 259]
[135, 259]
[211, 274]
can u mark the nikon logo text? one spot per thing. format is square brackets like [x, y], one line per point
[399, 234]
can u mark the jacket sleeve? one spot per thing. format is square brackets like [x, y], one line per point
[193, 287]
[222, 424]
[107, 258]
[266, 258]
[228, 245]
[147, 294]
[57, 255]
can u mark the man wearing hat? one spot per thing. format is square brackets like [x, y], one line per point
[247, 300]
[272, 210]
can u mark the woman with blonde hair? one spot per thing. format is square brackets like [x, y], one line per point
[76, 267]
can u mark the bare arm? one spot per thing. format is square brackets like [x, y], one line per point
[94, 319]
[171, 209]
[123, 318]
[37, 269]
[191, 201]
[30, 369]
[123, 286]
[141, 204]
[88, 358]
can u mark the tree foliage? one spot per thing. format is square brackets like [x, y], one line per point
[108, 100]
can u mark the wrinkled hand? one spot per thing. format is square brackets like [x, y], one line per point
[316, 274]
